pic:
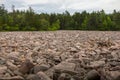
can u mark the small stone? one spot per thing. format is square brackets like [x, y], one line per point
[66, 67]
[41, 67]
[62, 76]
[115, 54]
[72, 49]
[115, 75]
[13, 55]
[93, 75]
[2, 61]
[32, 77]
[93, 53]
[114, 63]
[12, 78]
[26, 67]
[7, 75]
[57, 59]
[43, 76]
[63, 57]
[11, 66]
[96, 64]
[3, 69]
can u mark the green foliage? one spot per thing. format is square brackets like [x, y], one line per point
[30, 21]
[55, 26]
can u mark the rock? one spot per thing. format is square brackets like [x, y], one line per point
[57, 59]
[43, 76]
[16, 72]
[41, 67]
[115, 54]
[114, 48]
[66, 67]
[7, 75]
[63, 57]
[26, 67]
[73, 50]
[93, 75]
[92, 53]
[11, 66]
[10, 72]
[114, 63]
[64, 76]
[33, 77]
[50, 72]
[2, 61]
[36, 49]
[12, 78]
[3, 69]
[13, 55]
[115, 75]
[96, 64]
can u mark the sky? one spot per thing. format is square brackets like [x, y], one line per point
[59, 6]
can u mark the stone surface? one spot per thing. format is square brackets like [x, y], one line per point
[67, 55]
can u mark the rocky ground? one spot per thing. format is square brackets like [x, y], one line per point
[60, 55]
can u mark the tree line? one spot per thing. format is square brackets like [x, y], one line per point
[28, 20]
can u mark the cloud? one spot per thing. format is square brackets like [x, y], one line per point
[50, 6]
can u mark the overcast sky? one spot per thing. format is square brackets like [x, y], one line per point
[58, 6]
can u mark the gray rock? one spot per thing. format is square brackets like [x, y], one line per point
[92, 75]
[43, 76]
[33, 77]
[64, 76]
[96, 64]
[66, 67]
[41, 67]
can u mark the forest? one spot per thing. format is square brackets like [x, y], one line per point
[29, 20]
